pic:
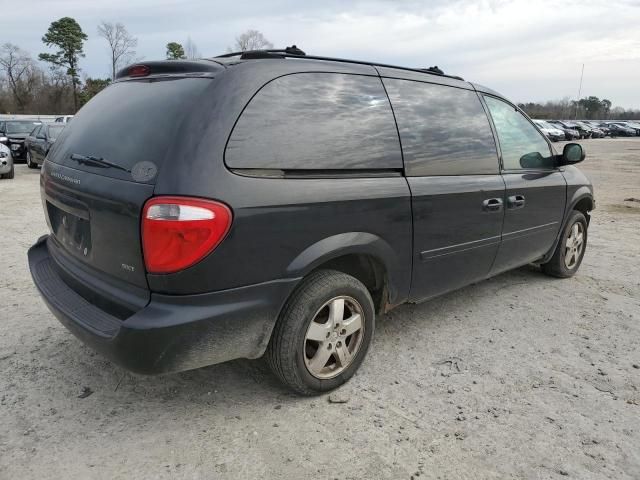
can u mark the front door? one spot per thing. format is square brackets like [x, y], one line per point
[535, 192]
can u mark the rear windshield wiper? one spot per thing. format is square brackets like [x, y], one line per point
[96, 162]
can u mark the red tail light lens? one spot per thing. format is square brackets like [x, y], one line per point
[178, 232]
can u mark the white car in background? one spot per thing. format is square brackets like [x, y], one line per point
[6, 162]
[554, 134]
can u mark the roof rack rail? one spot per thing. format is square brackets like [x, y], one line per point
[266, 53]
[295, 52]
[433, 69]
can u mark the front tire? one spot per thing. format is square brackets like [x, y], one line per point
[570, 249]
[30, 162]
[323, 333]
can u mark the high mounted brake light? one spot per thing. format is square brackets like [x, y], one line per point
[178, 232]
[138, 71]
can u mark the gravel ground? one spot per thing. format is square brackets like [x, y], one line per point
[520, 376]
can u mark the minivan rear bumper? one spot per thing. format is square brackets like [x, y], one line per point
[171, 333]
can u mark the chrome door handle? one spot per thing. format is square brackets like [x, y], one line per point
[515, 201]
[492, 205]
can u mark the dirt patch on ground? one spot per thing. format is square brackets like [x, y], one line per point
[521, 376]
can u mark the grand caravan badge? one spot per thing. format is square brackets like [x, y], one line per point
[66, 178]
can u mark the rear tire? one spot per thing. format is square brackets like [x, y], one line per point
[323, 333]
[570, 249]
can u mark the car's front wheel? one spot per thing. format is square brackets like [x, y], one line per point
[30, 162]
[570, 249]
[10, 174]
[323, 333]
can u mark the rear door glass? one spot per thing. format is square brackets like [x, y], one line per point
[131, 123]
[316, 121]
[444, 130]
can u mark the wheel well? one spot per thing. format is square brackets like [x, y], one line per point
[368, 270]
[584, 205]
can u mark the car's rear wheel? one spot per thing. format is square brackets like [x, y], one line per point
[30, 162]
[323, 333]
[570, 249]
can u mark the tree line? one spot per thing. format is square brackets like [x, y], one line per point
[54, 85]
[589, 108]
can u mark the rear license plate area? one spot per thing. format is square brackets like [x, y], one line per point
[72, 231]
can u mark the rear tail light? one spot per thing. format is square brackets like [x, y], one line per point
[178, 232]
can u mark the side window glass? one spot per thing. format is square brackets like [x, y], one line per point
[36, 131]
[317, 121]
[521, 144]
[444, 130]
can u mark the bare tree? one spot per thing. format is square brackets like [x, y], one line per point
[250, 40]
[20, 73]
[121, 43]
[191, 50]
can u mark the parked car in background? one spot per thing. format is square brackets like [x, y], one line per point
[621, 130]
[634, 125]
[13, 133]
[600, 126]
[594, 132]
[215, 233]
[569, 133]
[584, 132]
[552, 132]
[6, 162]
[64, 119]
[39, 141]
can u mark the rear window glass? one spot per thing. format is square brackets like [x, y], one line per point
[444, 130]
[316, 121]
[54, 131]
[129, 123]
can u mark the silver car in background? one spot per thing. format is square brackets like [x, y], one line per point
[6, 162]
[551, 131]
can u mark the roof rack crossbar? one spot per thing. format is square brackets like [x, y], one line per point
[290, 53]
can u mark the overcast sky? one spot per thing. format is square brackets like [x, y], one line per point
[529, 50]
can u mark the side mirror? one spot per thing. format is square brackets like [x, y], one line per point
[572, 153]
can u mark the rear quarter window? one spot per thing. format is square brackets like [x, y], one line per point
[444, 130]
[316, 121]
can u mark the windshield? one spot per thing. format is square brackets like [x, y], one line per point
[54, 131]
[543, 124]
[20, 127]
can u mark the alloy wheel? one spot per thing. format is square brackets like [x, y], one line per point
[334, 337]
[574, 246]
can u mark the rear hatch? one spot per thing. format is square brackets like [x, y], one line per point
[103, 168]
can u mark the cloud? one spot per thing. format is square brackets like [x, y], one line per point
[528, 50]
